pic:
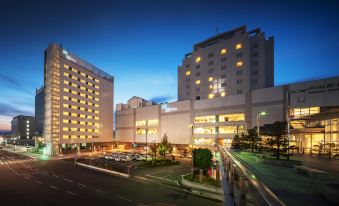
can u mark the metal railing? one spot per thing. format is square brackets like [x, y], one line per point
[241, 186]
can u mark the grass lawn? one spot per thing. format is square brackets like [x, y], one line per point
[291, 188]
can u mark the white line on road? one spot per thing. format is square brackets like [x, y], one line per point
[38, 182]
[82, 185]
[54, 187]
[27, 178]
[123, 198]
[160, 178]
[67, 180]
[56, 176]
[71, 193]
[100, 191]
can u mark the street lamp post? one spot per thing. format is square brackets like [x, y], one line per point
[258, 121]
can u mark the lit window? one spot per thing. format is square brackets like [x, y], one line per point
[73, 136]
[66, 82]
[223, 51]
[204, 130]
[65, 129]
[223, 94]
[210, 96]
[65, 121]
[197, 81]
[83, 81]
[96, 118]
[66, 74]
[65, 97]
[188, 73]
[204, 119]
[231, 117]
[74, 70]
[153, 122]
[66, 66]
[210, 79]
[238, 46]
[90, 84]
[74, 115]
[96, 86]
[211, 86]
[152, 131]
[97, 80]
[215, 86]
[65, 113]
[228, 130]
[239, 63]
[140, 123]
[198, 59]
[82, 136]
[141, 131]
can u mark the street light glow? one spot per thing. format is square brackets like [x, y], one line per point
[263, 113]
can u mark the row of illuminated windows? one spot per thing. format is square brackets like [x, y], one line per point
[81, 73]
[237, 64]
[222, 51]
[74, 129]
[212, 95]
[221, 118]
[80, 87]
[149, 131]
[80, 122]
[80, 115]
[81, 108]
[81, 80]
[80, 101]
[300, 112]
[77, 136]
[152, 122]
[80, 94]
[221, 130]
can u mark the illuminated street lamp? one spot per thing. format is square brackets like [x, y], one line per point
[192, 129]
[263, 113]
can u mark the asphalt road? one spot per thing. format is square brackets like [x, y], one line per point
[26, 181]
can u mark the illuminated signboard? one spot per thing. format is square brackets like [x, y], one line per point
[166, 108]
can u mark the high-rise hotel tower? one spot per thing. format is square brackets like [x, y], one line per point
[233, 62]
[78, 102]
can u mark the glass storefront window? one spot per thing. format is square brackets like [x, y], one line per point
[204, 119]
[204, 130]
[231, 117]
[140, 123]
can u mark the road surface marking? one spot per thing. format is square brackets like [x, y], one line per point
[38, 182]
[123, 198]
[54, 187]
[67, 180]
[71, 193]
[27, 178]
[56, 176]
[82, 185]
[160, 178]
[100, 191]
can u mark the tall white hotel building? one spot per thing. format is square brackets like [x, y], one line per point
[78, 102]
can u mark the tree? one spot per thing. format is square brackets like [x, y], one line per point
[253, 140]
[154, 150]
[236, 142]
[202, 160]
[164, 146]
[277, 133]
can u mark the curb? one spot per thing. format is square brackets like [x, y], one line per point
[111, 172]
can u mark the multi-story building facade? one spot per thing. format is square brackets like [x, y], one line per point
[23, 127]
[233, 62]
[78, 102]
[39, 110]
[217, 120]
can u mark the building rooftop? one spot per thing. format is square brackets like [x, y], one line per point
[83, 63]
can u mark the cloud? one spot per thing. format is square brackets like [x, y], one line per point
[9, 110]
[161, 99]
[14, 84]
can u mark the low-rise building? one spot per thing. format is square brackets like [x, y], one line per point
[217, 120]
[23, 127]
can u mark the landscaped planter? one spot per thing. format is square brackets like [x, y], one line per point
[203, 189]
[275, 162]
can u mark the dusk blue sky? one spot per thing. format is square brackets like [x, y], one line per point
[141, 43]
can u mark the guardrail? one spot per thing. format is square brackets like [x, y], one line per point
[241, 186]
